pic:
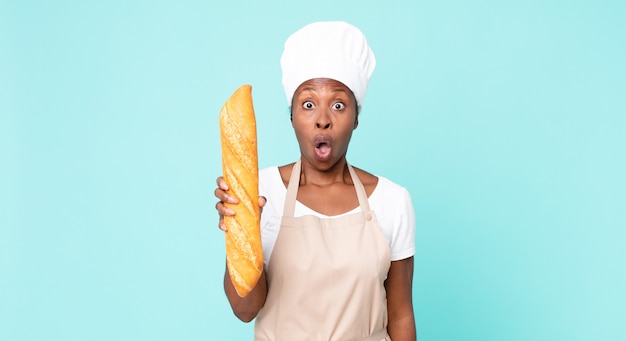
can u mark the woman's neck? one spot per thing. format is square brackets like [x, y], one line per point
[338, 173]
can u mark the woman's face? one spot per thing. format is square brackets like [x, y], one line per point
[324, 114]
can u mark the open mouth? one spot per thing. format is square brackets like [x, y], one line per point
[322, 147]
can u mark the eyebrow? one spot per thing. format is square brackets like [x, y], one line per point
[308, 88]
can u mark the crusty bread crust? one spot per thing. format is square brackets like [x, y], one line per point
[244, 253]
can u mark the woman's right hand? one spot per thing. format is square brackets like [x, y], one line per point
[248, 307]
[223, 197]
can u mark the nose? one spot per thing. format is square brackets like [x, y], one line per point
[323, 121]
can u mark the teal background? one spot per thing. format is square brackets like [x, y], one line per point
[504, 119]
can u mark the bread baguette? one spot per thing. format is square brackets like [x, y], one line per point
[244, 253]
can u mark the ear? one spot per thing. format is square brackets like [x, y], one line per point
[356, 122]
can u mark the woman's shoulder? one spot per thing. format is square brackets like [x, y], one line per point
[367, 178]
[269, 176]
[391, 188]
[285, 172]
[389, 197]
[268, 172]
[382, 186]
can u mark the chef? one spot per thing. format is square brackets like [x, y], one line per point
[338, 242]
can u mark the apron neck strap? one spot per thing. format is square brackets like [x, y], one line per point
[292, 190]
[294, 183]
[360, 190]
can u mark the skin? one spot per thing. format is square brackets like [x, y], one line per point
[324, 115]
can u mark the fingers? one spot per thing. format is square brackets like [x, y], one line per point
[221, 194]
[262, 202]
[223, 197]
[223, 211]
[221, 183]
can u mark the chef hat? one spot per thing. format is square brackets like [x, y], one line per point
[333, 49]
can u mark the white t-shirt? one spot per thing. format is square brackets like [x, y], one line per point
[390, 202]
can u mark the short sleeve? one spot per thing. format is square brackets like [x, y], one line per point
[402, 241]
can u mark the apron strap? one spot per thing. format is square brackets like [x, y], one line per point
[294, 182]
[292, 190]
[360, 190]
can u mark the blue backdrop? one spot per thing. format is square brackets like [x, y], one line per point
[504, 119]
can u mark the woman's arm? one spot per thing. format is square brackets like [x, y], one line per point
[399, 286]
[245, 308]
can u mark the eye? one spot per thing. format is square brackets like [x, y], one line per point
[308, 105]
[339, 106]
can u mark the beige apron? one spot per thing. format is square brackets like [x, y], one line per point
[326, 276]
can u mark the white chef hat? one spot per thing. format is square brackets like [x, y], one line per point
[331, 49]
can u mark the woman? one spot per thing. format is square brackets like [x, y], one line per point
[338, 242]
